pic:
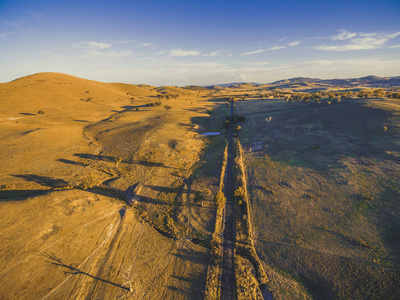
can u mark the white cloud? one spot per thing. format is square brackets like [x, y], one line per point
[124, 42]
[360, 41]
[292, 44]
[277, 48]
[161, 52]
[344, 35]
[214, 53]
[96, 49]
[92, 45]
[180, 52]
[253, 52]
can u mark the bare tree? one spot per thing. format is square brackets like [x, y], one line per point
[128, 278]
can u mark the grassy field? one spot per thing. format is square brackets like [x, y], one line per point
[324, 190]
[106, 191]
[99, 178]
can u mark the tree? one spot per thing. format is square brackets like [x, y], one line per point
[219, 199]
[118, 161]
[128, 278]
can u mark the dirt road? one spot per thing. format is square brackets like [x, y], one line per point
[228, 284]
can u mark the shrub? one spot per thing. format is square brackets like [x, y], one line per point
[118, 160]
[219, 199]
[239, 192]
[167, 107]
[40, 112]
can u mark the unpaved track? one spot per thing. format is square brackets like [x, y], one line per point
[228, 284]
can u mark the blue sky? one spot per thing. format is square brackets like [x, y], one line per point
[199, 42]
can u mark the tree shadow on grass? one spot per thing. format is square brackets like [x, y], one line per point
[196, 281]
[20, 195]
[71, 162]
[113, 160]
[95, 157]
[69, 269]
[44, 180]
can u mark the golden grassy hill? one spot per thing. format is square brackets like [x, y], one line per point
[173, 90]
[74, 153]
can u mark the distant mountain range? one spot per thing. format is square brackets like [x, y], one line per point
[368, 81]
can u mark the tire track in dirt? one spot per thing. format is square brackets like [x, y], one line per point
[110, 232]
[40, 252]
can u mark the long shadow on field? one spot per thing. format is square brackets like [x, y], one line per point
[197, 282]
[20, 195]
[69, 269]
[166, 189]
[148, 200]
[43, 180]
[113, 160]
[71, 162]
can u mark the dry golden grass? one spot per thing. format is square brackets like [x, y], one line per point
[67, 173]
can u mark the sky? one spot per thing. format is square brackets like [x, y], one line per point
[199, 42]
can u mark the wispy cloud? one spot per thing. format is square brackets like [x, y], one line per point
[215, 53]
[358, 41]
[276, 48]
[97, 49]
[291, 44]
[92, 45]
[344, 35]
[254, 52]
[180, 52]
[295, 43]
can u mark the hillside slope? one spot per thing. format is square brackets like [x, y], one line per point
[95, 178]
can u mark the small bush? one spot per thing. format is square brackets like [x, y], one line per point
[239, 192]
[268, 189]
[167, 107]
[219, 199]
[40, 112]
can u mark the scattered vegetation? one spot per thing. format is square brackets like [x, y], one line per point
[219, 199]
